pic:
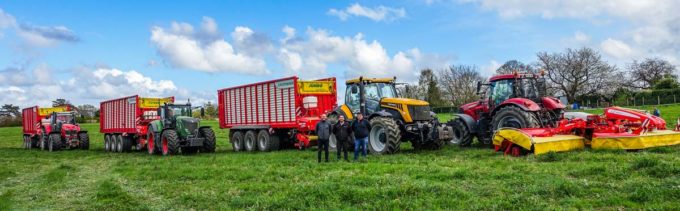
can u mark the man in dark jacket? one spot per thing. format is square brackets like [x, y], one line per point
[323, 131]
[342, 132]
[361, 128]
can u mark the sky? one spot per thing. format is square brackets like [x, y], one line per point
[91, 51]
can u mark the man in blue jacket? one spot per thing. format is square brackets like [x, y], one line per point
[361, 128]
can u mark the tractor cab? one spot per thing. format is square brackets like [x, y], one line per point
[368, 92]
[504, 87]
[178, 116]
[63, 121]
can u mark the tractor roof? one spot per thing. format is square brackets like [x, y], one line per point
[512, 76]
[371, 80]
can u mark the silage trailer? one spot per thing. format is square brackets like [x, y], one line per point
[53, 129]
[268, 115]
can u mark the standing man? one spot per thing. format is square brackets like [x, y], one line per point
[361, 127]
[657, 112]
[323, 131]
[342, 132]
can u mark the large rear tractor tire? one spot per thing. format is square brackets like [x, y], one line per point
[266, 142]
[84, 139]
[514, 117]
[384, 137]
[54, 142]
[237, 141]
[250, 140]
[169, 142]
[461, 133]
[209, 141]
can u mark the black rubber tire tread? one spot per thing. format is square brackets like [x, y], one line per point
[34, 142]
[236, 140]
[119, 143]
[466, 136]
[43, 142]
[393, 135]
[173, 142]
[209, 142]
[527, 118]
[127, 143]
[275, 141]
[250, 135]
[268, 145]
[84, 139]
[107, 138]
[54, 142]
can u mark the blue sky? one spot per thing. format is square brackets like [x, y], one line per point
[89, 51]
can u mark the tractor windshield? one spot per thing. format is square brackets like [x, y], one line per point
[379, 90]
[531, 88]
[67, 118]
[179, 110]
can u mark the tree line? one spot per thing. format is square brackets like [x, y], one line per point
[573, 73]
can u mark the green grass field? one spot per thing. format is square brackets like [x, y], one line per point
[452, 178]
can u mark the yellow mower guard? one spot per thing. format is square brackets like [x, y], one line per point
[648, 140]
[541, 145]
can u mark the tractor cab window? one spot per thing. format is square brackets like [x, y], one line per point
[352, 97]
[175, 111]
[372, 93]
[529, 88]
[387, 90]
[65, 118]
[501, 91]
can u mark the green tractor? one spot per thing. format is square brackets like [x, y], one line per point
[178, 132]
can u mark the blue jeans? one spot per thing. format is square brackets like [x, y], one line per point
[360, 143]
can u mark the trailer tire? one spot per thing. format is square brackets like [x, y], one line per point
[43, 142]
[275, 142]
[25, 142]
[84, 139]
[106, 142]
[118, 144]
[265, 141]
[34, 142]
[250, 140]
[461, 133]
[169, 142]
[54, 142]
[237, 141]
[385, 136]
[127, 143]
[151, 143]
[209, 140]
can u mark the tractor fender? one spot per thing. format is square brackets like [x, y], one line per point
[344, 111]
[469, 122]
[201, 127]
[381, 113]
[523, 103]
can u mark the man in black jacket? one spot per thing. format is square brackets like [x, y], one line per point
[361, 128]
[323, 132]
[342, 132]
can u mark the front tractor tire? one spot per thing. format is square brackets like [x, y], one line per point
[209, 141]
[462, 135]
[169, 142]
[84, 139]
[514, 117]
[385, 136]
[54, 142]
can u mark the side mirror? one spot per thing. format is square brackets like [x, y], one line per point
[355, 89]
[479, 86]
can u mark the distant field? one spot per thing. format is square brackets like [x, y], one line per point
[452, 178]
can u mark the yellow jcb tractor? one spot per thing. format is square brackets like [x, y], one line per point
[393, 119]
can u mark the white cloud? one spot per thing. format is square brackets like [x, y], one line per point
[652, 28]
[490, 68]
[616, 48]
[311, 56]
[203, 50]
[581, 37]
[37, 36]
[379, 13]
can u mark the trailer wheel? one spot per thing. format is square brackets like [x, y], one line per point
[106, 142]
[151, 143]
[25, 142]
[237, 141]
[385, 136]
[266, 142]
[117, 143]
[84, 141]
[209, 142]
[127, 143]
[55, 142]
[34, 142]
[250, 140]
[169, 142]
[461, 133]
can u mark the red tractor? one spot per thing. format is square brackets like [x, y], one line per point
[53, 129]
[517, 100]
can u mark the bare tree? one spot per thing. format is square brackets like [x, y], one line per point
[645, 74]
[577, 72]
[514, 65]
[60, 102]
[459, 83]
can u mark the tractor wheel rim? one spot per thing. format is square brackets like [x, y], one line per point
[378, 138]
[149, 144]
[165, 146]
[509, 121]
[332, 142]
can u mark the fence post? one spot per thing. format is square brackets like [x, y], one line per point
[658, 99]
[674, 99]
[643, 101]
